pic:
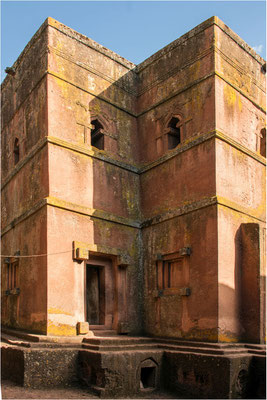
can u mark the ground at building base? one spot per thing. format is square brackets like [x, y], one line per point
[121, 366]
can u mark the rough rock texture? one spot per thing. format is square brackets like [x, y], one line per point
[40, 367]
[119, 366]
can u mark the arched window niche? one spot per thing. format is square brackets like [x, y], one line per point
[16, 151]
[173, 131]
[263, 142]
[97, 135]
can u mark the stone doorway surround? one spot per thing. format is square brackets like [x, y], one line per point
[111, 268]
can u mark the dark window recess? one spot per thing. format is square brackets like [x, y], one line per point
[263, 142]
[169, 274]
[16, 151]
[174, 135]
[12, 276]
[97, 136]
[148, 378]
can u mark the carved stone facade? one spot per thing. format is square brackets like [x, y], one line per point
[133, 197]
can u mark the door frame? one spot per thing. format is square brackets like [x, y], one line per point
[109, 288]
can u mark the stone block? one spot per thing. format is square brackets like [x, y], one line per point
[82, 254]
[82, 328]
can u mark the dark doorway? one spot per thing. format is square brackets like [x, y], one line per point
[95, 295]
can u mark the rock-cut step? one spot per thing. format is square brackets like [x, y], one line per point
[104, 333]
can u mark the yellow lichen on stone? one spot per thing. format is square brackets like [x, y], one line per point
[60, 329]
[230, 95]
[57, 311]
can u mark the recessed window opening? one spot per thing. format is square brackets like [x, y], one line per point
[174, 134]
[148, 378]
[16, 151]
[263, 142]
[97, 136]
[12, 276]
[170, 274]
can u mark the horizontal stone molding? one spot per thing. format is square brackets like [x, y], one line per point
[136, 224]
[97, 154]
[127, 64]
[210, 50]
[195, 206]
[197, 140]
[33, 151]
[86, 150]
[24, 215]
[136, 169]
[173, 45]
[79, 37]
[91, 212]
[177, 212]
[193, 141]
[237, 39]
[195, 31]
[129, 112]
[97, 96]
[136, 115]
[175, 70]
[244, 94]
[72, 207]
[222, 201]
[238, 146]
[239, 67]
[88, 68]
[26, 97]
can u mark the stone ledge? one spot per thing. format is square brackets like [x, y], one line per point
[134, 168]
[103, 215]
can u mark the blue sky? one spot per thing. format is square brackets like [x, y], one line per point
[133, 29]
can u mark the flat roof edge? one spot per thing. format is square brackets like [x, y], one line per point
[128, 64]
[196, 30]
[242, 43]
[74, 34]
[90, 43]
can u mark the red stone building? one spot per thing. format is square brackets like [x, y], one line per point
[133, 197]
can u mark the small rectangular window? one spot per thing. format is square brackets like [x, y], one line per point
[12, 275]
[172, 273]
[175, 274]
[169, 274]
[97, 136]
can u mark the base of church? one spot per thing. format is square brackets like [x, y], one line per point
[123, 366]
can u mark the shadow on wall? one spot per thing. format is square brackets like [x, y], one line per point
[115, 203]
[253, 282]
[242, 307]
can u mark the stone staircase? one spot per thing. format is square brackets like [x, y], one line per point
[108, 341]
[119, 343]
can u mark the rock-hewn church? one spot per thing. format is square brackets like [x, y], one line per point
[133, 210]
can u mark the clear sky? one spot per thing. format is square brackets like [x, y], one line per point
[133, 29]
